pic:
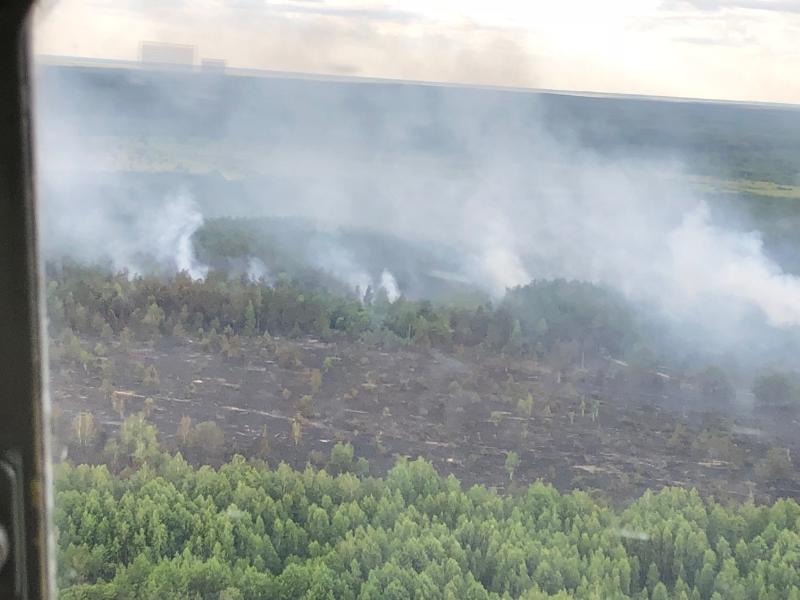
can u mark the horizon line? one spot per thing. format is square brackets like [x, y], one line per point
[89, 61]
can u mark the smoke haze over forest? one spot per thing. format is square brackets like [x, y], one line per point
[490, 188]
[343, 299]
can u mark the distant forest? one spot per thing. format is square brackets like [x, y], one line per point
[725, 139]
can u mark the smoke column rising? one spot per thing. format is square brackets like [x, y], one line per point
[172, 232]
[707, 260]
[389, 285]
[257, 270]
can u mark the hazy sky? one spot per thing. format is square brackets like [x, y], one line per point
[730, 49]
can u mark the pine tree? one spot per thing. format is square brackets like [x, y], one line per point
[249, 319]
[512, 462]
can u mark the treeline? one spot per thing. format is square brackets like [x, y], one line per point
[567, 317]
[154, 527]
[559, 321]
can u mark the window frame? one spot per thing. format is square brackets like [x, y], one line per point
[24, 466]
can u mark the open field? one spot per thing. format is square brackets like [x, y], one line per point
[767, 189]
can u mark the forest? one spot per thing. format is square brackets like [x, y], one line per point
[536, 318]
[139, 521]
[330, 339]
[155, 527]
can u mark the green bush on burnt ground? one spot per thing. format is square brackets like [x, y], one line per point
[777, 390]
[160, 529]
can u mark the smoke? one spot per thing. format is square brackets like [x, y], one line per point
[512, 193]
[708, 261]
[172, 237]
[389, 285]
[342, 265]
[153, 234]
[339, 262]
[499, 269]
[257, 270]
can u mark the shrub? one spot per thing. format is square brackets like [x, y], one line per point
[207, 439]
[341, 457]
[776, 389]
[775, 466]
[714, 385]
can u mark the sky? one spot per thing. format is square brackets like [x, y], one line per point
[718, 49]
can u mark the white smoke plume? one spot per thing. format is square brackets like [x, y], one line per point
[339, 263]
[136, 237]
[389, 284]
[170, 237]
[708, 262]
[257, 270]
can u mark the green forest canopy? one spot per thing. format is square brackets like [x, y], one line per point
[532, 318]
[154, 527]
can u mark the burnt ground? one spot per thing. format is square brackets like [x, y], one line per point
[603, 428]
